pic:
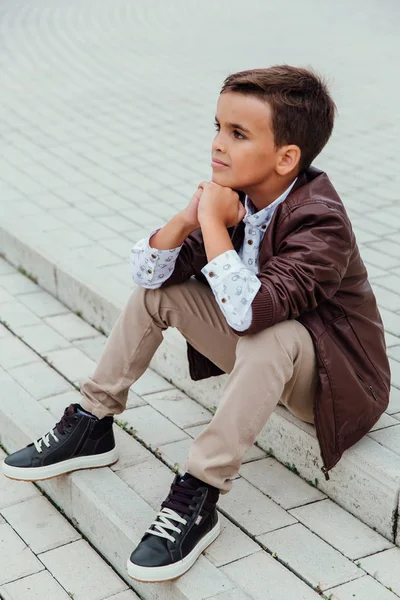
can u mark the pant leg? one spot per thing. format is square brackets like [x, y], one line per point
[190, 307]
[275, 364]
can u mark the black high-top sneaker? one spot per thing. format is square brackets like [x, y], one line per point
[78, 441]
[187, 523]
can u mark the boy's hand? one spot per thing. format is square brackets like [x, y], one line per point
[189, 214]
[219, 204]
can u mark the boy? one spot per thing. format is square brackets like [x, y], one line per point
[287, 311]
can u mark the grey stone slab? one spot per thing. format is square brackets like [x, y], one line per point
[15, 557]
[40, 380]
[366, 588]
[384, 567]
[40, 525]
[279, 483]
[312, 559]
[329, 521]
[35, 587]
[43, 339]
[252, 510]
[152, 427]
[264, 578]
[71, 564]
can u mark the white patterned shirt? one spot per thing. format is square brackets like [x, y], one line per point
[231, 275]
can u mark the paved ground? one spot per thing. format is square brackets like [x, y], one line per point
[106, 110]
[45, 350]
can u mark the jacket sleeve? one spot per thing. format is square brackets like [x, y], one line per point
[191, 259]
[311, 259]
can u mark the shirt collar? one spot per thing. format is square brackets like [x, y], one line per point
[264, 215]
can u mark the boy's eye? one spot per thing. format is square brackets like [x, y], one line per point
[236, 133]
[216, 125]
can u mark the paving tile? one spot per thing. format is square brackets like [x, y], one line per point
[14, 353]
[279, 483]
[16, 315]
[389, 437]
[14, 553]
[203, 580]
[395, 372]
[6, 268]
[232, 544]
[383, 422]
[313, 559]
[391, 340]
[40, 380]
[134, 401]
[264, 578]
[235, 594]
[43, 338]
[4, 332]
[72, 363]
[93, 348]
[5, 297]
[40, 525]
[12, 492]
[329, 521]
[252, 510]
[130, 451]
[58, 403]
[16, 283]
[151, 480]
[384, 567]
[152, 427]
[179, 408]
[34, 587]
[71, 327]
[391, 321]
[150, 382]
[394, 402]
[365, 588]
[43, 304]
[127, 595]
[82, 572]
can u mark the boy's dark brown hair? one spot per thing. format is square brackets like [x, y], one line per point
[303, 111]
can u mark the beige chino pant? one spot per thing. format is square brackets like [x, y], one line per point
[276, 365]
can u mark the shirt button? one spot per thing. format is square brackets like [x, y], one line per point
[263, 227]
[149, 271]
[250, 242]
[211, 274]
[153, 256]
[223, 300]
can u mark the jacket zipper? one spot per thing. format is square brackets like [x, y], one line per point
[371, 389]
[325, 472]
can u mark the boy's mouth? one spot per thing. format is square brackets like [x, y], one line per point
[216, 163]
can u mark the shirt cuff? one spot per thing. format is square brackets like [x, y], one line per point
[154, 263]
[221, 266]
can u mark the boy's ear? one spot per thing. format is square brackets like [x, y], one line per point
[288, 159]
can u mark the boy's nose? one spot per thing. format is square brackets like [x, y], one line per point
[218, 145]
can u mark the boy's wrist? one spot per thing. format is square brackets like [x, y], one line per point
[186, 225]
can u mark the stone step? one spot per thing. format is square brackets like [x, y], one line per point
[111, 505]
[366, 482]
[267, 519]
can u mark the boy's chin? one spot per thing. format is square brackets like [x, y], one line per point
[223, 179]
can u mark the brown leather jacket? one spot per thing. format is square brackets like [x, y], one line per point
[310, 270]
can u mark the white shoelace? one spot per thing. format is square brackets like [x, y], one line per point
[44, 440]
[163, 517]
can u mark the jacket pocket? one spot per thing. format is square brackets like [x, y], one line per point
[368, 387]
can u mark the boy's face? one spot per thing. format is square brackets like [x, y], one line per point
[244, 142]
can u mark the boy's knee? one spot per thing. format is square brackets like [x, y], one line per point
[261, 345]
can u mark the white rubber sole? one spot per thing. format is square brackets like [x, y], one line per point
[93, 461]
[168, 572]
